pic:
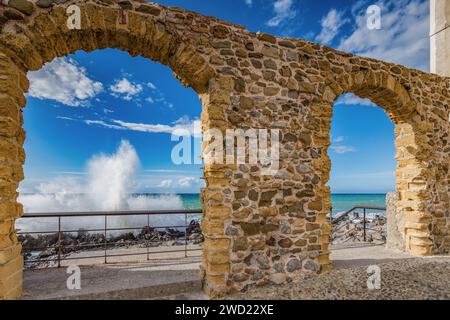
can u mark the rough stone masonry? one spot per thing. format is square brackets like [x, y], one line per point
[258, 229]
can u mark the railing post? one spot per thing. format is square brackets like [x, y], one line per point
[331, 223]
[106, 241]
[59, 242]
[365, 225]
[185, 236]
[147, 242]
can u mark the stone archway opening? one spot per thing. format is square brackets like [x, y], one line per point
[411, 221]
[117, 137]
[50, 38]
[363, 163]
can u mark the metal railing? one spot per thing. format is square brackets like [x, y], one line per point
[345, 215]
[105, 246]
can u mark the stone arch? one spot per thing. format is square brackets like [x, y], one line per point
[257, 229]
[379, 87]
[48, 37]
[28, 47]
[388, 93]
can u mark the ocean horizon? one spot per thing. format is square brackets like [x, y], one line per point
[42, 202]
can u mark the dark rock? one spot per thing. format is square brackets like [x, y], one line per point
[221, 44]
[293, 265]
[239, 85]
[149, 9]
[289, 137]
[311, 266]
[44, 3]
[263, 262]
[250, 229]
[23, 6]
[266, 37]
[305, 193]
[253, 195]
[256, 55]
[220, 31]
[125, 5]
[267, 228]
[250, 46]
[285, 243]
[248, 259]
[301, 243]
[287, 44]
[267, 196]
[305, 139]
[270, 64]
[240, 244]
[12, 14]
[240, 277]
[3, 21]
[257, 64]
[239, 195]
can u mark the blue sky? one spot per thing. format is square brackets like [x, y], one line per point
[85, 104]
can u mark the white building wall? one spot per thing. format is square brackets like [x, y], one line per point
[440, 37]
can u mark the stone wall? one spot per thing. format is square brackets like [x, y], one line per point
[258, 229]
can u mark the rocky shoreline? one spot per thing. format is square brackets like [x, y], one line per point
[42, 250]
[351, 230]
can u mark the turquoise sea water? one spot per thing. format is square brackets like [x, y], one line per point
[340, 202]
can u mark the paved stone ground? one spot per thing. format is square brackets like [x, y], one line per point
[402, 277]
[137, 281]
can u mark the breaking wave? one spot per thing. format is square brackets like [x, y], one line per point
[109, 185]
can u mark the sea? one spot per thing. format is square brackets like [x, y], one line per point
[340, 202]
[42, 203]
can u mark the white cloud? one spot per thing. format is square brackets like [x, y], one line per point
[65, 118]
[283, 11]
[166, 184]
[331, 25]
[70, 173]
[186, 182]
[342, 149]
[163, 171]
[180, 127]
[403, 38]
[249, 2]
[151, 86]
[125, 89]
[339, 139]
[63, 80]
[103, 124]
[351, 99]
[178, 183]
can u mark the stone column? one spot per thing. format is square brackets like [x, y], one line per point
[216, 262]
[440, 37]
[13, 83]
